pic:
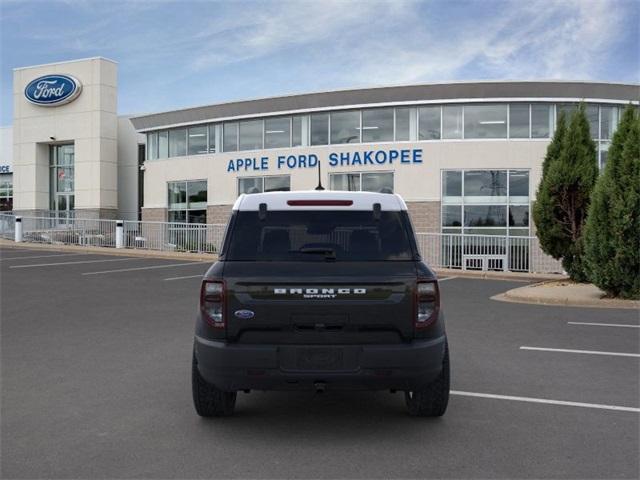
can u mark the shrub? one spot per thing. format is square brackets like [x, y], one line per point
[612, 233]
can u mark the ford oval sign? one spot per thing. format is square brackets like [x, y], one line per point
[244, 314]
[53, 90]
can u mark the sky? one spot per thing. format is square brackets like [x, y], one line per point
[176, 54]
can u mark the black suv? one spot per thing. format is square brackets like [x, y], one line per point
[320, 290]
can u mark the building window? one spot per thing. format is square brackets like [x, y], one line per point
[592, 113]
[403, 124]
[429, 123]
[6, 192]
[485, 121]
[345, 181]
[197, 140]
[345, 127]
[296, 131]
[366, 182]
[152, 146]
[452, 121]
[452, 185]
[487, 202]
[519, 120]
[377, 125]
[276, 183]
[230, 137]
[178, 142]
[251, 135]
[608, 122]
[212, 138]
[320, 129]
[163, 144]
[188, 201]
[541, 120]
[277, 132]
[62, 175]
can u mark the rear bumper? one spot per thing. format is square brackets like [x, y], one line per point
[233, 367]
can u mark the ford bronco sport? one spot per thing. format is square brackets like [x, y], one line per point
[320, 290]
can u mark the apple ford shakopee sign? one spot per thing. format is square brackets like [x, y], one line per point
[53, 90]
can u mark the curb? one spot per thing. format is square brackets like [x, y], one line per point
[515, 296]
[510, 276]
[125, 252]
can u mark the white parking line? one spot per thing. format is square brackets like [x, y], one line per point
[446, 278]
[142, 268]
[42, 256]
[546, 401]
[74, 263]
[622, 325]
[589, 352]
[183, 278]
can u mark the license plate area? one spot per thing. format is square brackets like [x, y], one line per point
[318, 358]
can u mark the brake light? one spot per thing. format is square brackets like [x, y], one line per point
[427, 302]
[212, 302]
[320, 203]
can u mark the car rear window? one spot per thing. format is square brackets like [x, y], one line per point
[317, 235]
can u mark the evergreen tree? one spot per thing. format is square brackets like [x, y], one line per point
[612, 233]
[563, 197]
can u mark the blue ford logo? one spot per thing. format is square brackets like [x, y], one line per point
[244, 314]
[52, 90]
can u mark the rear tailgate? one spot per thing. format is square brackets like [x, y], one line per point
[320, 302]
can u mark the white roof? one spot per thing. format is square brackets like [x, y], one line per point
[361, 200]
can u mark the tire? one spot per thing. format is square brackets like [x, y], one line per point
[208, 400]
[432, 400]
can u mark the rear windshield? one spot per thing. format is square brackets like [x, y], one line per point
[314, 235]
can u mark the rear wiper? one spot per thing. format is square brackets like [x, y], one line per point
[329, 253]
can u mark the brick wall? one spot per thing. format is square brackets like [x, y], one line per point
[425, 216]
[154, 214]
[218, 213]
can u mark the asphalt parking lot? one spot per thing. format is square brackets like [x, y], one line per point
[96, 354]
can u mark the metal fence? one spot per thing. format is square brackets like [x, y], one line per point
[7, 226]
[69, 231]
[182, 237]
[486, 252]
[440, 250]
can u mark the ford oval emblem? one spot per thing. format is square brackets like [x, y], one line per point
[244, 314]
[53, 90]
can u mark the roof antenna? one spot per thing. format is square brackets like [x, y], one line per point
[319, 187]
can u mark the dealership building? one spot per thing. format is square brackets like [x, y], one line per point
[465, 156]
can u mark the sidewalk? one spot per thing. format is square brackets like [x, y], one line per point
[564, 292]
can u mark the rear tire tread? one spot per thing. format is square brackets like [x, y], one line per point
[208, 400]
[432, 400]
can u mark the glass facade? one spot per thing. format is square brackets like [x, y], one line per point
[384, 124]
[277, 132]
[345, 127]
[429, 123]
[452, 121]
[377, 125]
[187, 201]
[362, 181]
[6, 192]
[275, 183]
[485, 121]
[61, 179]
[178, 142]
[487, 202]
[251, 135]
[403, 124]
